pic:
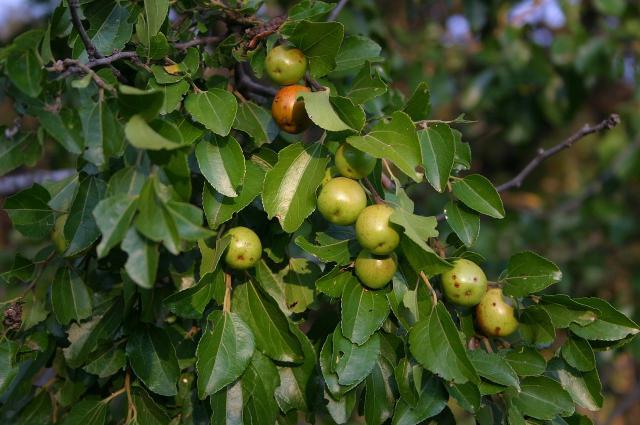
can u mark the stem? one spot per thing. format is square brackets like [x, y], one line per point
[226, 305]
[74, 7]
[372, 190]
[434, 296]
[131, 411]
[197, 42]
[114, 395]
[336, 11]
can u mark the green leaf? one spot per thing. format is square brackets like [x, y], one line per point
[222, 163]
[476, 192]
[85, 337]
[583, 387]
[142, 262]
[366, 86]
[467, 395]
[419, 104]
[432, 400]
[416, 227]
[219, 208]
[29, 211]
[215, 109]
[8, 367]
[564, 311]
[269, 325]
[20, 150]
[172, 94]
[89, 411]
[309, 9]
[38, 411]
[464, 223]
[328, 360]
[113, 216]
[80, 228]
[578, 353]
[320, 42]
[299, 284]
[227, 405]
[362, 311]
[353, 362]
[334, 282]
[289, 191]
[70, 297]
[526, 361]
[144, 103]
[155, 12]
[494, 368]
[421, 260]
[379, 394]
[148, 412]
[321, 112]
[438, 149]
[542, 398]
[153, 359]
[528, 272]
[331, 251]
[25, 72]
[154, 221]
[64, 126]
[256, 122]
[273, 284]
[396, 141]
[107, 363]
[536, 327]
[153, 136]
[109, 28]
[259, 384]
[351, 114]
[355, 51]
[224, 352]
[434, 341]
[610, 326]
[191, 302]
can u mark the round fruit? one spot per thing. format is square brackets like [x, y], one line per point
[286, 65]
[465, 283]
[245, 248]
[288, 112]
[341, 201]
[375, 271]
[354, 163]
[495, 316]
[374, 232]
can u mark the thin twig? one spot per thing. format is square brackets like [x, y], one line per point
[543, 154]
[226, 304]
[372, 190]
[197, 42]
[244, 79]
[434, 296]
[313, 83]
[336, 10]
[74, 7]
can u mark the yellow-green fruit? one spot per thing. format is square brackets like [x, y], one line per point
[245, 248]
[286, 65]
[375, 271]
[494, 316]
[465, 283]
[341, 201]
[374, 231]
[353, 163]
[57, 234]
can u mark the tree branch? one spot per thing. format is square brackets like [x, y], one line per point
[336, 10]
[74, 7]
[198, 41]
[244, 79]
[543, 154]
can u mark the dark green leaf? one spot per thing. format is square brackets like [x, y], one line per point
[583, 387]
[191, 302]
[88, 411]
[108, 363]
[25, 72]
[113, 216]
[8, 367]
[379, 395]
[610, 326]
[70, 297]
[465, 223]
[416, 227]
[256, 122]
[432, 400]
[438, 149]
[536, 327]
[362, 311]
[528, 272]
[320, 42]
[336, 251]
[542, 398]
[19, 150]
[222, 163]
[148, 412]
[29, 211]
[578, 353]
[80, 229]
[366, 86]
[215, 109]
[526, 361]
[259, 384]
[494, 368]
[355, 51]
[419, 104]
[353, 363]
[476, 192]
[144, 103]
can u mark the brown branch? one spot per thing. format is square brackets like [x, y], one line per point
[336, 10]
[74, 7]
[313, 83]
[261, 32]
[543, 154]
[245, 80]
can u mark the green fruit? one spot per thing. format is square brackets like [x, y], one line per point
[465, 283]
[374, 231]
[375, 271]
[494, 316]
[353, 163]
[245, 248]
[341, 201]
[286, 65]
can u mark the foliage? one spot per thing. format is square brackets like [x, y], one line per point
[130, 310]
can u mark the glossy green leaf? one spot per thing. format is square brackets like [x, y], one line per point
[142, 262]
[526, 361]
[224, 352]
[109, 28]
[80, 228]
[153, 359]
[156, 135]
[542, 398]
[19, 150]
[70, 298]
[367, 85]
[256, 122]
[25, 72]
[355, 51]
[438, 149]
[321, 112]
[494, 368]
[465, 223]
[536, 327]
[432, 400]
[419, 104]
[379, 400]
[362, 311]
[259, 384]
[610, 326]
[320, 42]
[113, 216]
[289, 192]
[222, 164]
[89, 411]
[435, 343]
[332, 251]
[29, 211]
[148, 412]
[215, 109]
[583, 387]
[353, 362]
[477, 192]
[578, 353]
[416, 227]
[528, 272]
[144, 103]
[191, 302]
[396, 140]
[107, 363]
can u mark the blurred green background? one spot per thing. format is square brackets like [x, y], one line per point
[529, 73]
